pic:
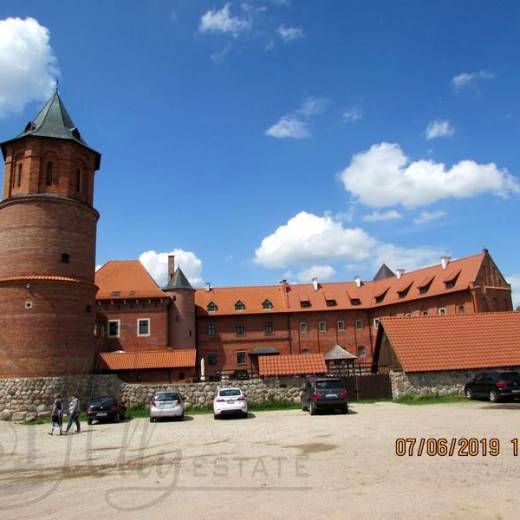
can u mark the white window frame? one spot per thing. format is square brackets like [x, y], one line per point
[442, 311]
[305, 327]
[376, 323]
[320, 323]
[139, 320]
[342, 328]
[118, 329]
[237, 352]
[362, 324]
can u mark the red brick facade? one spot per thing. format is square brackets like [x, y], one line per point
[47, 240]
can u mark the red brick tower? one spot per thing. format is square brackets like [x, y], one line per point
[47, 249]
[181, 313]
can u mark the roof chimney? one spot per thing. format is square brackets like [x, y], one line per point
[315, 283]
[171, 267]
[357, 279]
[208, 287]
[445, 260]
[399, 273]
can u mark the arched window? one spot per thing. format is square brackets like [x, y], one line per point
[49, 180]
[19, 176]
[240, 306]
[78, 180]
[212, 307]
[267, 304]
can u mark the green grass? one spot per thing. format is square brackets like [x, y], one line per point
[430, 399]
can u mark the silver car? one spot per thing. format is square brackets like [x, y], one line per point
[166, 404]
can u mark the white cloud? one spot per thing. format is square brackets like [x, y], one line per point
[428, 216]
[378, 216]
[383, 176]
[439, 128]
[290, 34]
[157, 265]
[289, 127]
[352, 115]
[222, 21]
[406, 258]
[322, 272]
[98, 266]
[28, 67]
[309, 238]
[465, 79]
[514, 280]
[295, 124]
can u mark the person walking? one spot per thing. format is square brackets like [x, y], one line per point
[74, 412]
[57, 415]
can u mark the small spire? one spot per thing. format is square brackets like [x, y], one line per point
[56, 86]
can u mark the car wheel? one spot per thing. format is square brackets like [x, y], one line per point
[344, 409]
[493, 396]
[469, 394]
[89, 422]
[304, 407]
[245, 415]
[152, 419]
[312, 408]
[215, 416]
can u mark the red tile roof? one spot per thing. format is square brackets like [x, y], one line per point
[291, 365]
[126, 279]
[149, 359]
[289, 297]
[423, 344]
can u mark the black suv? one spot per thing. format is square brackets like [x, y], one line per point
[324, 393]
[494, 385]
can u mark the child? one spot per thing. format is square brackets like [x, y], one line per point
[57, 415]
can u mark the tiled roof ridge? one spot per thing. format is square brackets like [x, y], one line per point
[339, 282]
[449, 316]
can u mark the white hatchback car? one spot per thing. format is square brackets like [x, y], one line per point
[166, 404]
[229, 401]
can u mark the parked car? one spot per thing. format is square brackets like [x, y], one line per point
[166, 404]
[229, 401]
[324, 393]
[106, 408]
[494, 385]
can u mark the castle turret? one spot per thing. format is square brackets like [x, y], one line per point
[47, 248]
[181, 316]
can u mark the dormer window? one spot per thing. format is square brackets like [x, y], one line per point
[331, 303]
[115, 293]
[355, 301]
[267, 304]
[381, 295]
[212, 307]
[239, 306]
[403, 290]
[451, 280]
[305, 304]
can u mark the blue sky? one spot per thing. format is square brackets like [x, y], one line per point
[270, 139]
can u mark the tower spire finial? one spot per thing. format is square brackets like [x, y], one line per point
[56, 86]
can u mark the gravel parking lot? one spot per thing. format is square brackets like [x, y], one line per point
[272, 465]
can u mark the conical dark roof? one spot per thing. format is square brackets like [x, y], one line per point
[54, 121]
[384, 272]
[179, 281]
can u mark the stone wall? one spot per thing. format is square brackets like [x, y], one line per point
[449, 382]
[27, 398]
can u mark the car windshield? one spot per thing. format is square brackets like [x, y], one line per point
[510, 377]
[326, 385]
[229, 392]
[103, 401]
[170, 396]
